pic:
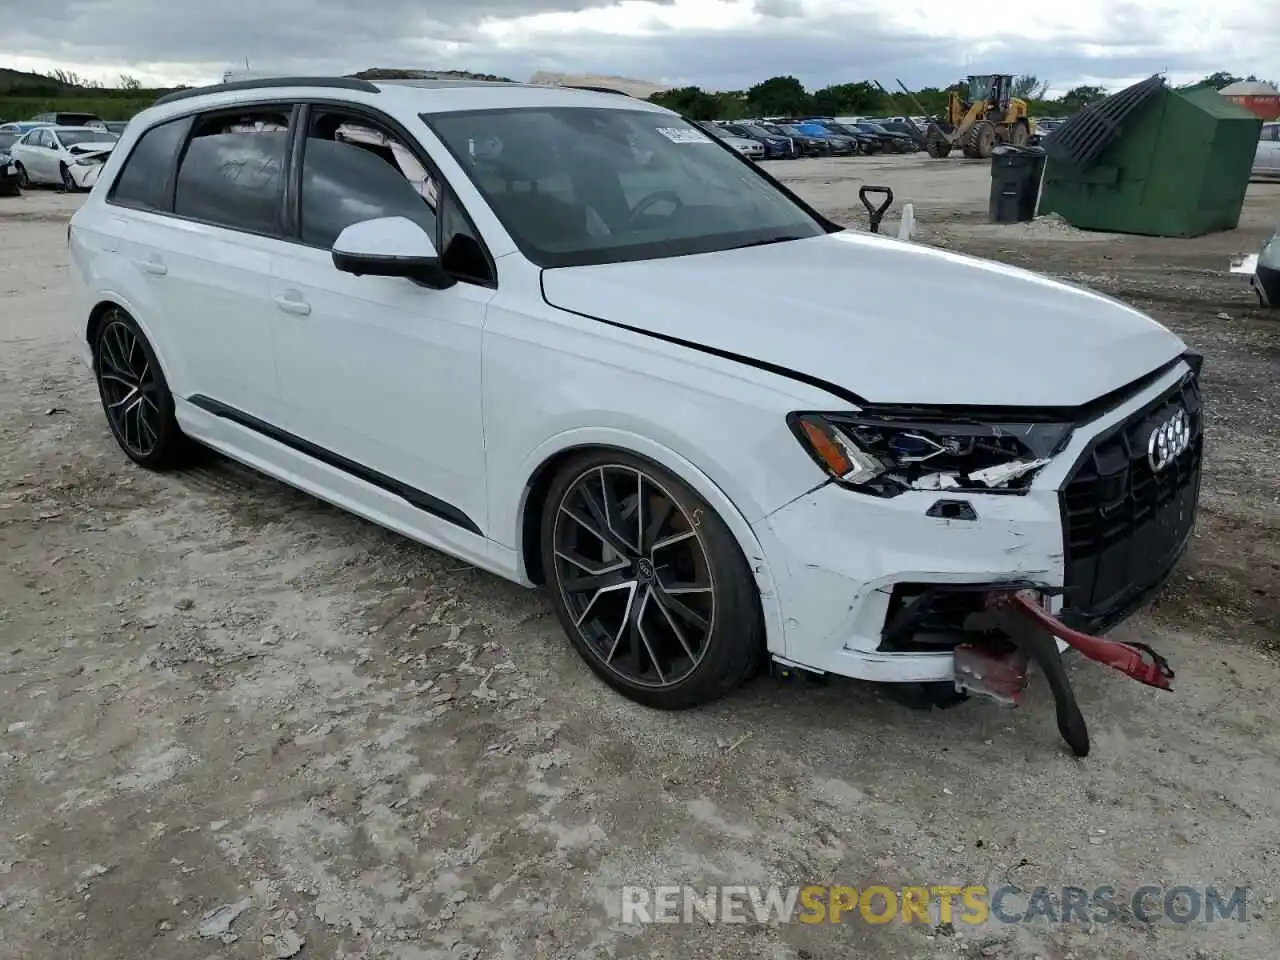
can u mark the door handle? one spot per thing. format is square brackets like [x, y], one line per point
[293, 305]
[153, 265]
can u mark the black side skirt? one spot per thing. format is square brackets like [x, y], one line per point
[418, 498]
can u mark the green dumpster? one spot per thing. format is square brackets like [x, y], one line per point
[1152, 160]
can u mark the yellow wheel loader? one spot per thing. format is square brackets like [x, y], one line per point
[988, 115]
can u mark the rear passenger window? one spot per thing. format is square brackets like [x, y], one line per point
[232, 173]
[353, 171]
[144, 181]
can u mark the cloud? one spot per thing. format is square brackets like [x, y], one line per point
[722, 44]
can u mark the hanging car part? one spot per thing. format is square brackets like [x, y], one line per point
[1031, 634]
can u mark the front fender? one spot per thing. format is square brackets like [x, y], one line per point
[640, 445]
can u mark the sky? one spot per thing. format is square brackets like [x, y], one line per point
[715, 44]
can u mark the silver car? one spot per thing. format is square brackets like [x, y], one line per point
[1266, 162]
[748, 148]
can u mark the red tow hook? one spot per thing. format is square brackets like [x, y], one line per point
[1136, 660]
[1034, 632]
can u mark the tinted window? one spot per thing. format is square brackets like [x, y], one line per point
[144, 181]
[232, 173]
[353, 172]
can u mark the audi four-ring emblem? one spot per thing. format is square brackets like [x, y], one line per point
[1169, 440]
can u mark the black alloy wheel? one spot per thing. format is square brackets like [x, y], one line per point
[68, 181]
[649, 583]
[135, 396]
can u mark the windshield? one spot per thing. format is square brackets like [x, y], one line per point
[70, 138]
[587, 185]
[7, 140]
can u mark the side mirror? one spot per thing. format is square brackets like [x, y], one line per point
[390, 247]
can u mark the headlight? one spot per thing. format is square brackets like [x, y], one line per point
[885, 455]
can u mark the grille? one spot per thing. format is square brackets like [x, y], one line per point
[1124, 524]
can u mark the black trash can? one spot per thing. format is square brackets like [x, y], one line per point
[1015, 183]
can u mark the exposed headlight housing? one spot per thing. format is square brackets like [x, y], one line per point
[885, 455]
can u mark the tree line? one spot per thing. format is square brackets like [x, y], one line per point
[777, 96]
[785, 96]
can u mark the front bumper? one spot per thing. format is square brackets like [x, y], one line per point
[86, 175]
[843, 563]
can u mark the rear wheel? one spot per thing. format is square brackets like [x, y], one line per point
[135, 395]
[649, 583]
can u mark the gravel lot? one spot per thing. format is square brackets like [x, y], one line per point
[215, 691]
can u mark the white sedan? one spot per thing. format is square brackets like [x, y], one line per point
[70, 157]
[1266, 162]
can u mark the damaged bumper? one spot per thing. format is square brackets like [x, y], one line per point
[85, 171]
[884, 588]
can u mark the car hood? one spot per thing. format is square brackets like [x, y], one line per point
[887, 320]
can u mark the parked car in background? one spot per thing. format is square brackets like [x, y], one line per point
[20, 126]
[889, 141]
[863, 142]
[840, 145]
[775, 147]
[116, 126]
[10, 184]
[748, 148]
[903, 126]
[70, 157]
[1266, 162]
[1042, 130]
[68, 119]
[806, 145]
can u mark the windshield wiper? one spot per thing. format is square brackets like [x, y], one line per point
[762, 243]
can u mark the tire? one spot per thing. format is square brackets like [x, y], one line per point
[666, 650]
[24, 181]
[68, 181]
[981, 140]
[1019, 134]
[135, 395]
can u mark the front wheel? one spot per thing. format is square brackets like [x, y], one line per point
[24, 181]
[68, 181]
[649, 583]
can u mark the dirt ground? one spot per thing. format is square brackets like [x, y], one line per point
[219, 693]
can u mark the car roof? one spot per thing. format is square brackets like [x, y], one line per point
[416, 96]
[61, 128]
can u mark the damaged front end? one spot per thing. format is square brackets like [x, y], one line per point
[997, 631]
[888, 453]
[87, 164]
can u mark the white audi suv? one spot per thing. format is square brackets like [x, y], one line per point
[508, 321]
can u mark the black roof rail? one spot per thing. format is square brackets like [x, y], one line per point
[266, 83]
[574, 86]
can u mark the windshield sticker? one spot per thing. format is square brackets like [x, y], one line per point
[684, 135]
